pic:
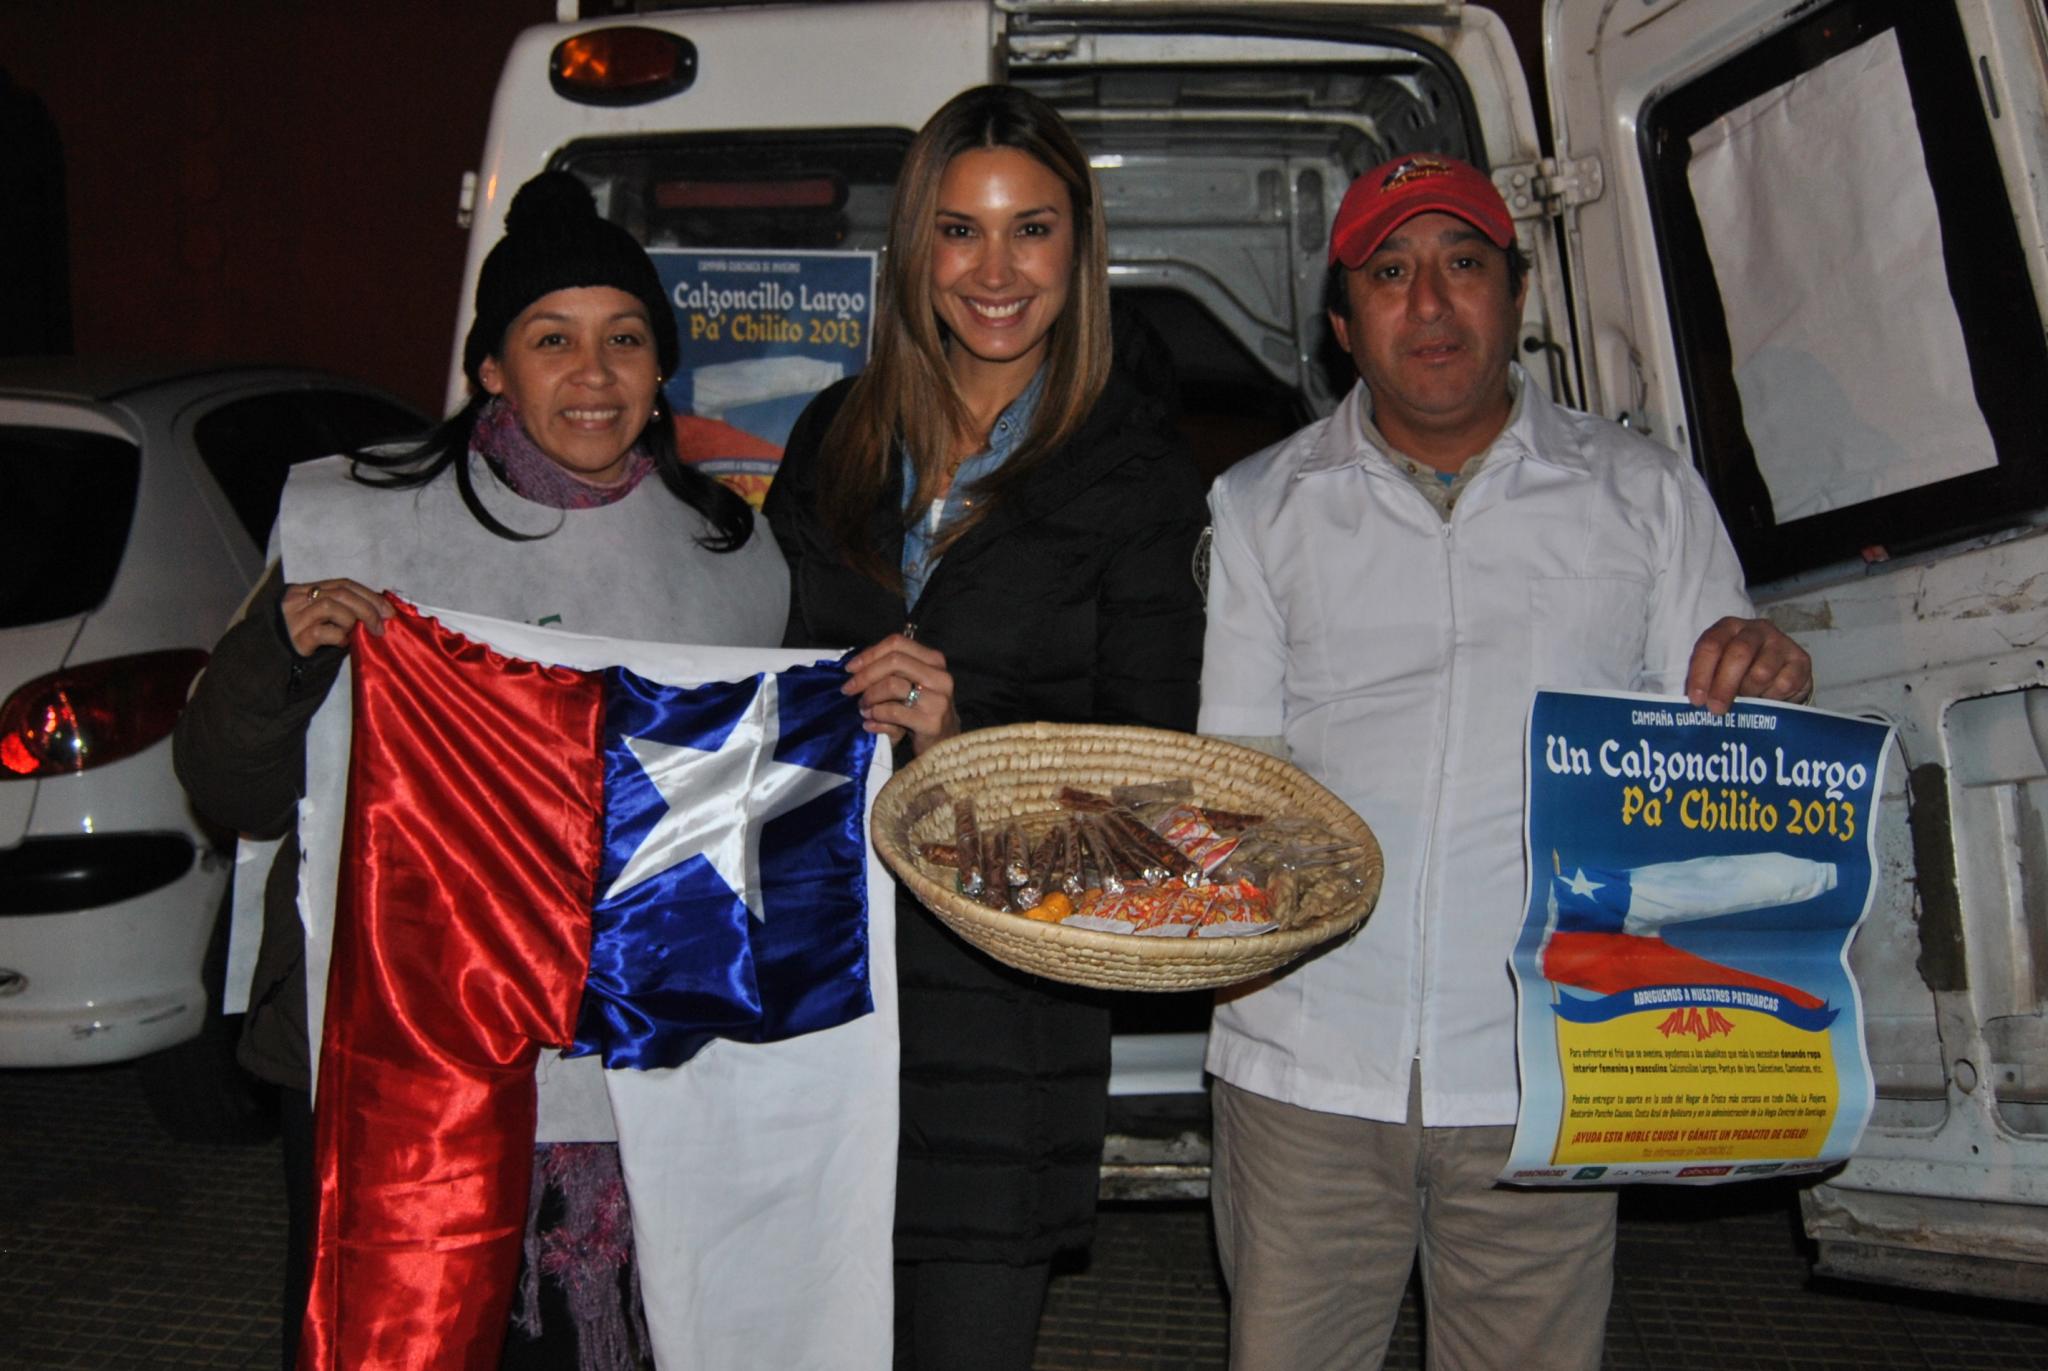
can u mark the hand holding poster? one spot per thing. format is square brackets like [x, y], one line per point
[1686, 1008]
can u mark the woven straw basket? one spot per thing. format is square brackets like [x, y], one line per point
[1019, 769]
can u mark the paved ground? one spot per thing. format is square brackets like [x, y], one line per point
[119, 1249]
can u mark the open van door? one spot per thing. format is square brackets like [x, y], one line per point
[1224, 136]
[1814, 266]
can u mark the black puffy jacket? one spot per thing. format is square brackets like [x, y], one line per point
[1076, 601]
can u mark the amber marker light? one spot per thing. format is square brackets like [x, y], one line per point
[624, 65]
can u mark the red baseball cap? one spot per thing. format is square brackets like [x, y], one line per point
[1415, 183]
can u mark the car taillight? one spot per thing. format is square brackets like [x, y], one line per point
[89, 715]
[622, 65]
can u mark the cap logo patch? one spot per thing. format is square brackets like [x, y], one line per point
[1414, 169]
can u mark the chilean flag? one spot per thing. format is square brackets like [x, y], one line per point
[636, 869]
[1606, 933]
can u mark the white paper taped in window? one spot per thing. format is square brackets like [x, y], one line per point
[1820, 223]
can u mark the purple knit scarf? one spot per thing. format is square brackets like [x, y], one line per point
[534, 475]
[588, 1253]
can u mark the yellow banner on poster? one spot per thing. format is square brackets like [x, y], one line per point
[1694, 1082]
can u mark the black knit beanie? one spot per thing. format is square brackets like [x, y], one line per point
[554, 240]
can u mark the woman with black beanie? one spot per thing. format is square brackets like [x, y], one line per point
[529, 503]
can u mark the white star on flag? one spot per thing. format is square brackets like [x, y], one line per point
[1580, 886]
[719, 800]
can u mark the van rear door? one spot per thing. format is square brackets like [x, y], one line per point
[1224, 136]
[1815, 268]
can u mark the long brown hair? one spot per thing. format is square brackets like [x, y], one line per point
[906, 395]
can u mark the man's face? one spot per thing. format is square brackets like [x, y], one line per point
[1431, 331]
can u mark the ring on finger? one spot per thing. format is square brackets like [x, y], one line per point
[313, 593]
[910, 696]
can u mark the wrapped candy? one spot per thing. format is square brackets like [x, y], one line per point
[1191, 833]
[1053, 859]
[1161, 859]
[1105, 870]
[1016, 855]
[967, 848]
[995, 891]
[1227, 820]
[1239, 909]
[1173, 792]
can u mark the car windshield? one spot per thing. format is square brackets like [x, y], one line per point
[69, 498]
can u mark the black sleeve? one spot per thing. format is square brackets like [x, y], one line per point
[1148, 655]
[240, 746]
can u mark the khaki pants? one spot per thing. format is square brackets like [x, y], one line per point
[1321, 1217]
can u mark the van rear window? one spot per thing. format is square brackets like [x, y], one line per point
[1863, 356]
[70, 498]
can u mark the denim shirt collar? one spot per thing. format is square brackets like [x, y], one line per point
[926, 526]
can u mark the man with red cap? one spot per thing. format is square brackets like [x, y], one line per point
[1387, 588]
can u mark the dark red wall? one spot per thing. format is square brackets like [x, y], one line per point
[264, 179]
[276, 180]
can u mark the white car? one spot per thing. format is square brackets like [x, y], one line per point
[138, 503]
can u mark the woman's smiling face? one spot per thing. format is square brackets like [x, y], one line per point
[580, 368]
[1002, 257]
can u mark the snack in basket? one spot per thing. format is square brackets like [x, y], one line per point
[995, 891]
[1191, 831]
[1227, 820]
[967, 846]
[1056, 856]
[1083, 801]
[1106, 869]
[1162, 860]
[1121, 864]
[1141, 797]
[1054, 908]
[1144, 860]
[1176, 914]
[1016, 856]
[1240, 908]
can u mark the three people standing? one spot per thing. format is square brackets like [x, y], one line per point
[1008, 523]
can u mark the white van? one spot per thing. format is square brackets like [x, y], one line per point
[1800, 242]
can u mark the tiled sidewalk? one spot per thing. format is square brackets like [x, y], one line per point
[120, 1249]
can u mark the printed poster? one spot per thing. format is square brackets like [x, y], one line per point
[1686, 1007]
[762, 332]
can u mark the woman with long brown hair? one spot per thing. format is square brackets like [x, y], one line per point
[1011, 525]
